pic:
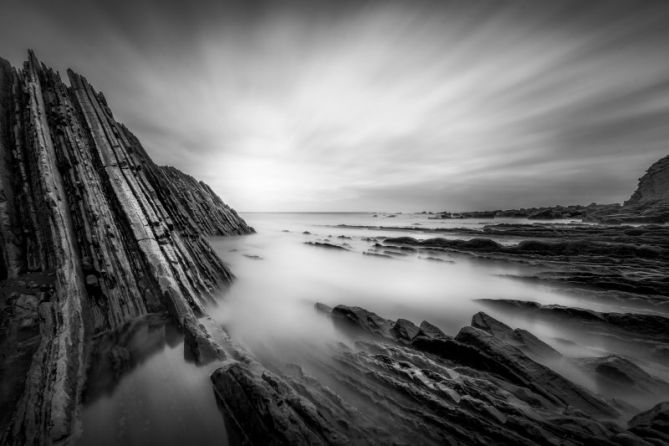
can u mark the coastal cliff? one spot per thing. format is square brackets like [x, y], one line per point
[654, 185]
[648, 204]
[93, 234]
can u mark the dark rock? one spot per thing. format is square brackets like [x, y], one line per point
[199, 345]
[522, 339]
[639, 326]
[431, 331]
[198, 206]
[114, 235]
[326, 245]
[363, 320]
[265, 410]
[652, 425]
[404, 330]
[434, 390]
[377, 254]
[522, 370]
[622, 374]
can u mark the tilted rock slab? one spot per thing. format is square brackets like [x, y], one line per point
[81, 199]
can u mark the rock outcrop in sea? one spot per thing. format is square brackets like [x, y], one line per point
[93, 234]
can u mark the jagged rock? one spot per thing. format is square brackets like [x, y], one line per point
[366, 321]
[522, 339]
[652, 425]
[622, 374]
[430, 331]
[404, 330]
[196, 200]
[485, 351]
[199, 345]
[407, 395]
[267, 410]
[648, 327]
[80, 198]
[530, 374]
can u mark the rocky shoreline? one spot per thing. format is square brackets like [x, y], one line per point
[485, 385]
[648, 204]
[97, 244]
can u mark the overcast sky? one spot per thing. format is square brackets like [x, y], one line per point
[382, 105]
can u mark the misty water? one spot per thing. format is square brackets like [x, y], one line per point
[269, 310]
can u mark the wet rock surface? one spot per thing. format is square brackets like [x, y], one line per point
[652, 425]
[425, 387]
[651, 328]
[397, 382]
[617, 375]
[86, 215]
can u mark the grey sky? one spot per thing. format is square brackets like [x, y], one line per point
[375, 105]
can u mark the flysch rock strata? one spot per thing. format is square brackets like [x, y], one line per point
[93, 235]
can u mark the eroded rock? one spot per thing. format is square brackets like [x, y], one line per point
[122, 237]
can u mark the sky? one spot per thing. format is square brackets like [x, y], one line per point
[375, 106]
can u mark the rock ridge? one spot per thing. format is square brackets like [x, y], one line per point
[104, 233]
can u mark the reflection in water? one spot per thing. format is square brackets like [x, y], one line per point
[141, 390]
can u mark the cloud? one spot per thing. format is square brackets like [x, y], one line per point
[376, 105]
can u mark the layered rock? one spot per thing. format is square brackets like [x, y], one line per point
[619, 262]
[113, 235]
[654, 185]
[195, 200]
[417, 385]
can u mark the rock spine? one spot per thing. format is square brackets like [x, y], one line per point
[82, 203]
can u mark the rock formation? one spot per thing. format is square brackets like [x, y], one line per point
[650, 201]
[654, 185]
[648, 204]
[625, 262]
[421, 386]
[93, 234]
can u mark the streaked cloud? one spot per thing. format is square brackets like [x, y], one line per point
[376, 105]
